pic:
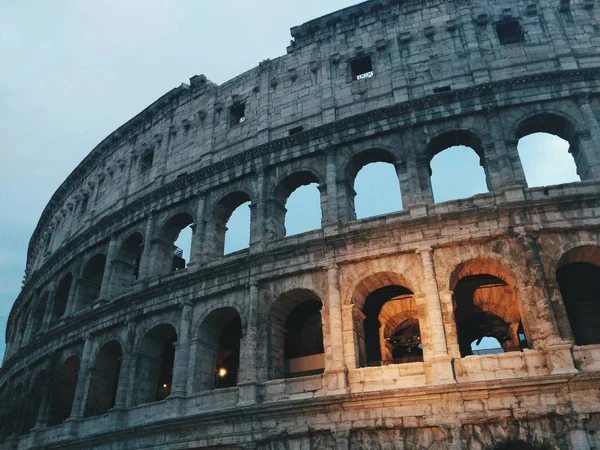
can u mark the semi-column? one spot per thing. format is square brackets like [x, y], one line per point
[547, 336]
[146, 256]
[248, 376]
[111, 255]
[83, 380]
[439, 360]
[257, 213]
[332, 212]
[198, 241]
[337, 368]
[589, 142]
[182, 352]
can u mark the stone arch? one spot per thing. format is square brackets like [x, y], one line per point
[63, 393]
[448, 139]
[219, 339]
[15, 409]
[284, 187]
[358, 161]
[38, 313]
[167, 257]
[21, 324]
[221, 214]
[104, 381]
[90, 284]
[61, 298]
[578, 277]
[34, 402]
[296, 338]
[383, 302]
[155, 360]
[486, 303]
[126, 266]
[559, 124]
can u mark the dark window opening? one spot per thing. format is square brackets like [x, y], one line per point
[509, 31]
[580, 289]
[238, 113]
[362, 68]
[84, 204]
[296, 130]
[165, 375]
[228, 355]
[146, 161]
[303, 340]
[437, 90]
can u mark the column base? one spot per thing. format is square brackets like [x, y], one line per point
[335, 382]
[439, 370]
[418, 210]
[248, 393]
[560, 359]
[514, 194]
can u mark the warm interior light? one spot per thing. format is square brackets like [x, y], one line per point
[222, 372]
[164, 385]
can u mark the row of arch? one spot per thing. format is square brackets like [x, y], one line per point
[486, 305]
[403, 190]
[168, 256]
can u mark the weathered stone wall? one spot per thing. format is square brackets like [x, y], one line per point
[441, 77]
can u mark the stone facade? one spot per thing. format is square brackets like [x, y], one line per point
[109, 348]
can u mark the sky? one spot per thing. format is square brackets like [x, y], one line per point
[71, 72]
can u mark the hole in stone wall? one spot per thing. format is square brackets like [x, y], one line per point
[146, 161]
[303, 339]
[437, 90]
[63, 394]
[456, 173]
[105, 376]
[237, 114]
[237, 236]
[509, 31]
[62, 296]
[182, 248]
[38, 314]
[91, 281]
[303, 210]
[377, 190]
[546, 160]
[362, 68]
[580, 290]
[296, 130]
[34, 402]
[228, 354]
[486, 309]
[391, 333]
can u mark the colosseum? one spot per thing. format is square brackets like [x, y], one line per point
[357, 335]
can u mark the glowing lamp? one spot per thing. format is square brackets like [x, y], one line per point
[222, 372]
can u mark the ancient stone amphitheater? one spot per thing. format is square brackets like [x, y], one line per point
[356, 335]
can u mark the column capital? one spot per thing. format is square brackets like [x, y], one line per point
[424, 250]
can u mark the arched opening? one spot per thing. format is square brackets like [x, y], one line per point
[38, 314]
[34, 402]
[296, 207]
[126, 267]
[105, 378]
[155, 364]
[172, 248]
[486, 309]
[22, 324]
[296, 335]
[232, 223]
[62, 297]
[63, 394]
[15, 411]
[545, 141]
[219, 359]
[578, 276]
[390, 332]
[457, 166]
[375, 184]
[91, 282]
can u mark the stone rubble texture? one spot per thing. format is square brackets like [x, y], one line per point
[184, 160]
